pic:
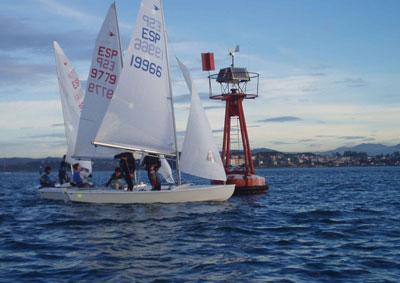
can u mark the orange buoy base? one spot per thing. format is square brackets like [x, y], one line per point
[246, 185]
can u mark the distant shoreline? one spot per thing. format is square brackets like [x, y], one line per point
[363, 155]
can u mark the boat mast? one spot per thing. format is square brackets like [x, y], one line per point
[178, 170]
[119, 36]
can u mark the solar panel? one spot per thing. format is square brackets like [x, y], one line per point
[233, 75]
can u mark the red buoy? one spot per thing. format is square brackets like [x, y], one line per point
[235, 85]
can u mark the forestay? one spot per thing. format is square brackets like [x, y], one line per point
[101, 83]
[200, 155]
[139, 116]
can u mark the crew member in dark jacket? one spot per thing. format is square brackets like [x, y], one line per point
[116, 179]
[127, 165]
[62, 171]
[152, 164]
[45, 180]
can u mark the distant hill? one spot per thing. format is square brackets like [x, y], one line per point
[33, 164]
[254, 151]
[372, 149]
[263, 149]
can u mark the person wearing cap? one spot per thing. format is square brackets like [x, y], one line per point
[45, 179]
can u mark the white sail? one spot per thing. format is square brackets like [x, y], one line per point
[166, 171]
[200, 155]
[139, 116]
[71, 95]
[102, 81]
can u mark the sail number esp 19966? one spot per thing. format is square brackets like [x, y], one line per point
[150, 36]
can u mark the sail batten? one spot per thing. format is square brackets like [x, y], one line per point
[101, 84]
[139, 114]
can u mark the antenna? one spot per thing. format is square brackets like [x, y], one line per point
[232, 54]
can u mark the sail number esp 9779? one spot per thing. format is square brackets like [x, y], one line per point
[103, 76]
[147, 44]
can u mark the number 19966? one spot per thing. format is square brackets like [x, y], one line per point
[146, 65]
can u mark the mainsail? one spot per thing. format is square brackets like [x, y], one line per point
[200, 155]
[140, 116]
[101, 85]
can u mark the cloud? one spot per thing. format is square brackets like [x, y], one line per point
[83, 17]
[221, 130]
[352, 82]
[309, 89]
[280, 142]
[352, 137]
[185, 98]
[66, 11]
[11, 72]
[281, 119]
[18, 34]
[289, 86]
[357, 138]
[45, 136]
[318, 74]
[37, 114]
[307, 140]
[213, 107]
[325, 136]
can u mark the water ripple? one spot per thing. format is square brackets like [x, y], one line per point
[327, 225]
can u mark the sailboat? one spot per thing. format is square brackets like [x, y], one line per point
[101, 84]
[102, 80]
[71, 96]
[140, 118]
[83, 113]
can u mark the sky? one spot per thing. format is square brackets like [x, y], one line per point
[329, 70]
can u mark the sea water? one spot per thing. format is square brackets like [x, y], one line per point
[314, 225]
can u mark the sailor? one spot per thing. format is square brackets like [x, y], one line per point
[76, 177]
[116, 180]
[152, 164]
[128, 167]
[45, 180]
[62, 171]
[86, 176]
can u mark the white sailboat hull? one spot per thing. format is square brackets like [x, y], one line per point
[183, 193]
[52, 193]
